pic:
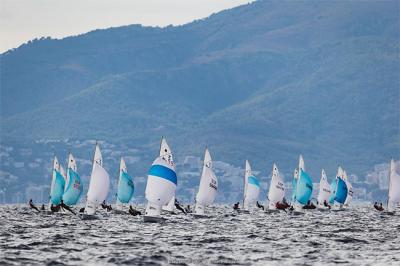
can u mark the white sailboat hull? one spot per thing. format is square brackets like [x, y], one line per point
[153, 214]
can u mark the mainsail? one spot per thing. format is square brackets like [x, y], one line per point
[324, 190]
[74, 186]
[125, 184]
[161, 181]
[349, 189]
[208, 185]
[57, 184]
[394, 187]
[276, 191]
[99, 184]
[251, 187]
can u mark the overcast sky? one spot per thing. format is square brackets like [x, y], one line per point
[23, 20]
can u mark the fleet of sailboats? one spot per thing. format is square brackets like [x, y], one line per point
[66, 187]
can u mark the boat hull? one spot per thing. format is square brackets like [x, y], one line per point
[88, 217]
[153, 219]
[199, 216]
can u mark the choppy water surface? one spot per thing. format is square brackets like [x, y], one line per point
[355, 236]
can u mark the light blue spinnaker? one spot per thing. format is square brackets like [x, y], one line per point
[125, 188]
[341, 191]
[333, 192]
[304, 188]
[57, 189]
[74, 188]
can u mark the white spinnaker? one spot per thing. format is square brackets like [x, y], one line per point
[252, 188]
[99, 184]
[161, 181]
[394, 185]
[324, 189]
[208, 183]
[276, 191]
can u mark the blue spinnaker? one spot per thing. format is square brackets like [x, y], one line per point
[333, 192]
[57, 189]
[304, 188]
[341, 191]
[74, 188]
[125, 188]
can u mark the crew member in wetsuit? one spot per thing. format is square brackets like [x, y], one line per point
[32, 205]
[236, 206]
[42, 208]
[259, 205]
[66, 207]
[134, 212]
[281, 206]
[55, 208]
[105, 206]
[178, 206]
[378, 207]
[327, 205]
[82, 209]
[188, 209]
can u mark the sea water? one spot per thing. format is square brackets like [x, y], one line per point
[358, 235]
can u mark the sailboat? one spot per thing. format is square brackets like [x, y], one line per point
[208, 187]
[57, 185]
[338, 191]
[125, 188]
[170, 207]
[324, 192]
[73, 184]
[251, 188]
[304, 187]
[276, 191]
[393, 189]
[349, 189]
[161, 184]
[98, 186]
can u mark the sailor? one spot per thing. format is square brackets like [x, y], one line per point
[105, 206]
[32, 205]
[378, 207]
[178, 206]
[285, 203]
[326, 204]
[81, 210]
[66, 207]
[134, 212]
[42, 208]
[236, 206]
[259, 205]
[54, 208]
[188, 209]
[281, 206]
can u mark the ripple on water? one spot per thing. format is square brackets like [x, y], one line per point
[356, 236]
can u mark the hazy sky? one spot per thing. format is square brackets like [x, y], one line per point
[23, 20]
